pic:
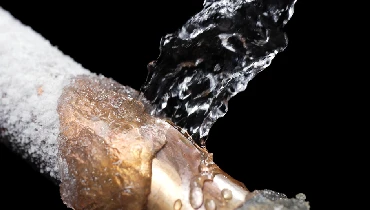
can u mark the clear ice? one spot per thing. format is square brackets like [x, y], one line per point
[212, 58]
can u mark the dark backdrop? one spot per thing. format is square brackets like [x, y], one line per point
[270, 138]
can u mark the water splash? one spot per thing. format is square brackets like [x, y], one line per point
[212, 58]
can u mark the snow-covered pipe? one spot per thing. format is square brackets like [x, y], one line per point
[33, 74]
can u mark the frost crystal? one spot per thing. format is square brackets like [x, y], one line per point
[32, 76]
[270, 200]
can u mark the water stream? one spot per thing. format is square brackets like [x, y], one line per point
[212, 57]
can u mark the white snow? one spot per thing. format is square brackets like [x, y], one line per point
[32, 76]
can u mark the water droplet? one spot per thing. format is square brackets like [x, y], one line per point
[197, 181]
[196, 197]
[301, 196]
[227, 194]
[177, 205]
[210, 205]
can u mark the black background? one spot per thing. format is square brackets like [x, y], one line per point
[271, 137]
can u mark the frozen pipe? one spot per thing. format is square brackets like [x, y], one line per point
[93, 136]
[33, 76]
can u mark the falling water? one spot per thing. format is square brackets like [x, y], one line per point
[212, 57]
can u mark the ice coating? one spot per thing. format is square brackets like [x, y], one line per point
[270, 200]
[212, 58]
[32, 76]
[106, 145]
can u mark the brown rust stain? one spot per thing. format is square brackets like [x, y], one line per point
[106, 145]
[40, 90]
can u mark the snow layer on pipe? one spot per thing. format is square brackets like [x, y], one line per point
[32, 76]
